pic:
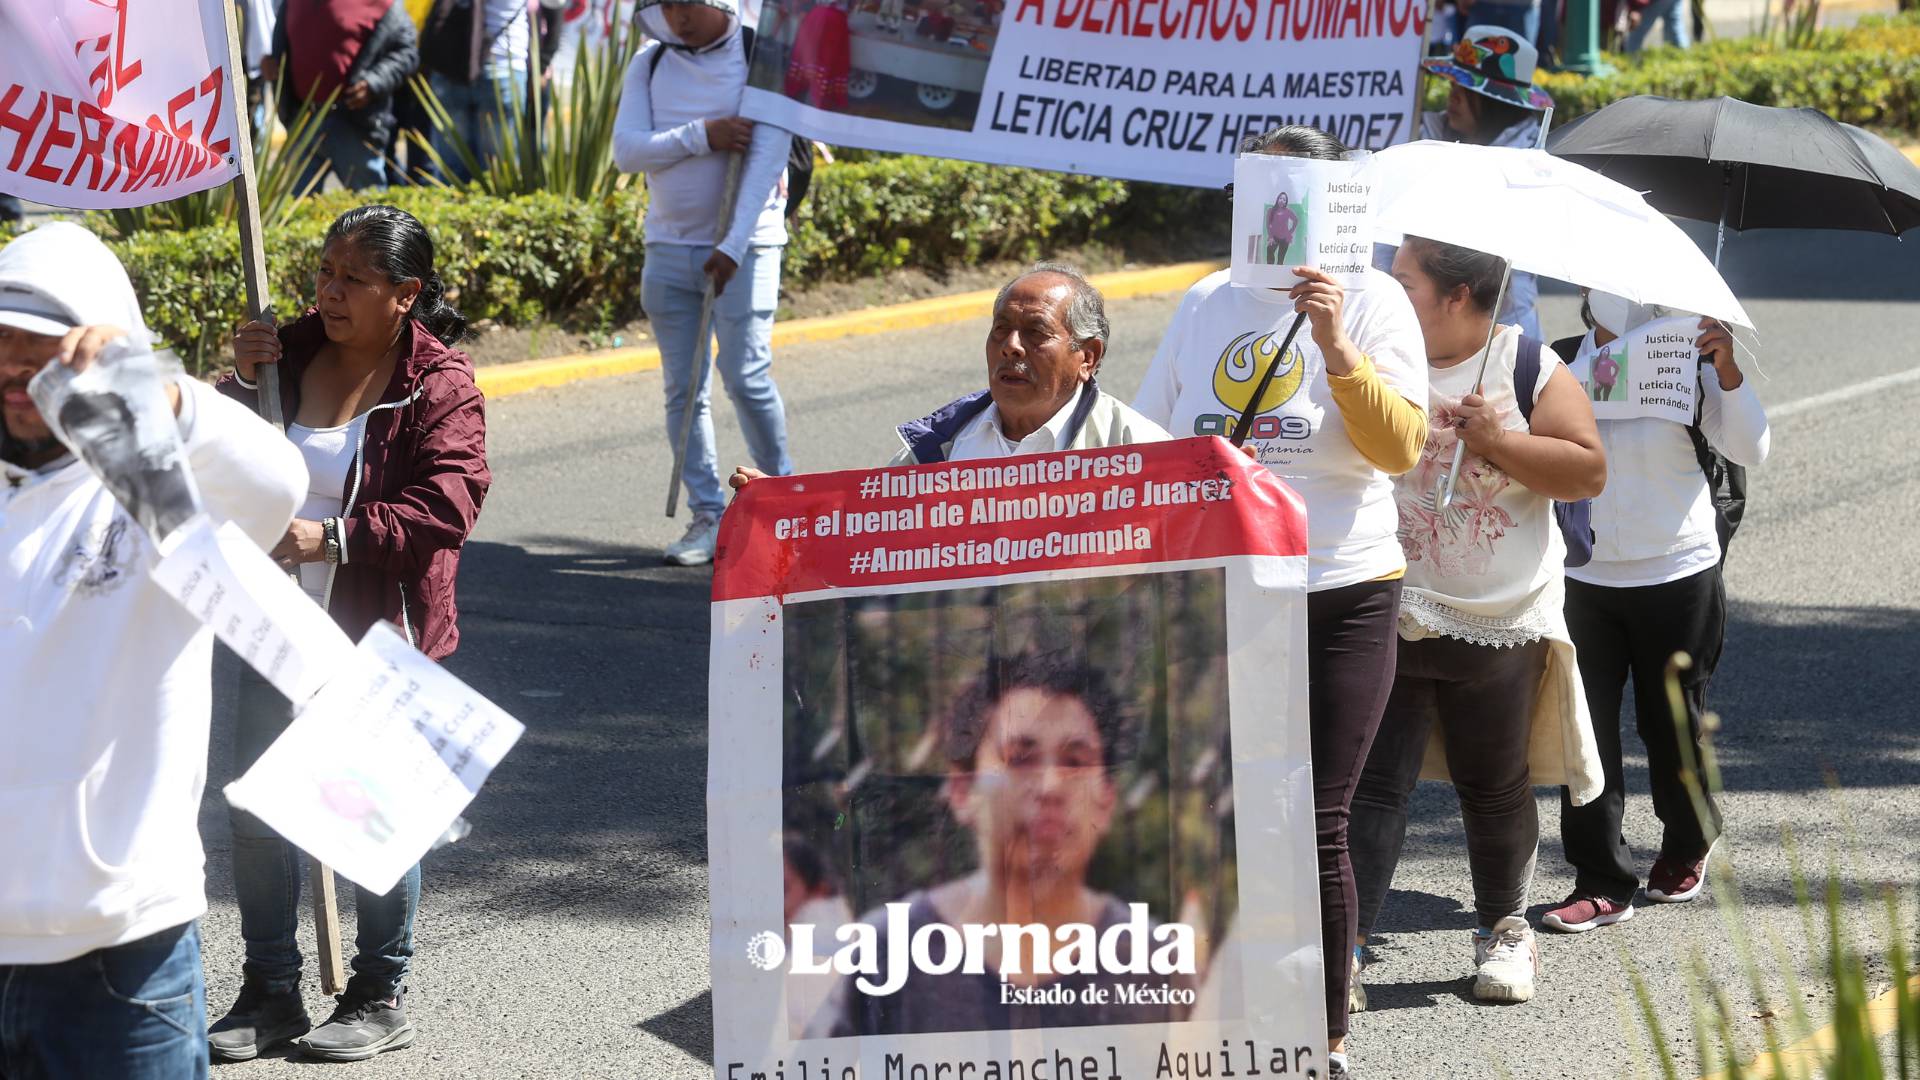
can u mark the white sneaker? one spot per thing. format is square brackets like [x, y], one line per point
[1505, 962]
[695, 548]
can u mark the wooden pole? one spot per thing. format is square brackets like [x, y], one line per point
[253, 266]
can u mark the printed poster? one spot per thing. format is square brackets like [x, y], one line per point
[1290, 211]
[1651, 371]
[1160, 90]
[1009, 772]
[112, 103]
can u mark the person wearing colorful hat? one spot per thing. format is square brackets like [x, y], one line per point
[1493, 102]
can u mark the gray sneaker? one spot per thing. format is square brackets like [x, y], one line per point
[258, 1021]
[695, 548]
[359, 1029]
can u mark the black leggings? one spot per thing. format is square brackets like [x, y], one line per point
[1351, 644]
[1482, 698]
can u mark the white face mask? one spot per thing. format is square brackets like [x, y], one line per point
[1616, 314]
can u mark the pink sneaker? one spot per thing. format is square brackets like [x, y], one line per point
[1580, 914]
[1672, 881]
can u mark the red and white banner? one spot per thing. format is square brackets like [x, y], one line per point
[113, 103]
[980, 734]
[1160, 90]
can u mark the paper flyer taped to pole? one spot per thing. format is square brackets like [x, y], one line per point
[227, 582]
[1292, 211]
[111, 103]
[379, 764]
[1653, 370]
[937, 691]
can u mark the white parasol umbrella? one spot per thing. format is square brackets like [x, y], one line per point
[1546, 215]
[1549, 216]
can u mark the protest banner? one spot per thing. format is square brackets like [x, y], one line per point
[110, 103]
[254, 608]
[379, 764]
[1160, 90]
[1009, 772]
[1290, 211]
[1653, 370]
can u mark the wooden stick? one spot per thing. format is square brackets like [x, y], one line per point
[253, 266]
[326, 927]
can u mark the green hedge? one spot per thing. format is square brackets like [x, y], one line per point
[527, 258]
[1868, 74]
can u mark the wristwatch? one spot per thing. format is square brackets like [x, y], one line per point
[330, 538]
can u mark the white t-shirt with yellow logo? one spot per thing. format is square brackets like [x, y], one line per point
[1221, 340]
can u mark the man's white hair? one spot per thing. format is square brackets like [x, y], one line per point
[1086, 315]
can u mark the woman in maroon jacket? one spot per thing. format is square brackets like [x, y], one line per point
[393, 431]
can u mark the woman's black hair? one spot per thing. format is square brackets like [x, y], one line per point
[1300, 140]
[1451, 266]
[398, 246]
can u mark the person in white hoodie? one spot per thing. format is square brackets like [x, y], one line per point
[1653, 588]
[678, 123]
[108, 687]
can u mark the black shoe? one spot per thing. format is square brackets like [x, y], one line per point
[258, 1021]
[360, 1028]
[1336, 1070]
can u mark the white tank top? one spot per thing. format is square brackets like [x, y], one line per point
[1489, 570]
[329, 454]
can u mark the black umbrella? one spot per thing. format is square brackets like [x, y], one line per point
[1747, 166]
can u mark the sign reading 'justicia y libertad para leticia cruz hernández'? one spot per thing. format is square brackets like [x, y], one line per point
[978, 733]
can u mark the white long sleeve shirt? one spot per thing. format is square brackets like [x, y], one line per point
[108, 691]
[1654, 523]
[660, 130]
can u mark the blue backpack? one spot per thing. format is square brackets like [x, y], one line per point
[1575, 518]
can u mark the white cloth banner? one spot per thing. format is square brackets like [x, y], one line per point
[113, 103]
[979, 734]
[1651, 371]
[379, 763]
[1159, 90]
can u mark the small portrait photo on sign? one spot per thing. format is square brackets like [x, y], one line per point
[1007, 806]
[1609, 371]
[1291, 211]
[920, 62]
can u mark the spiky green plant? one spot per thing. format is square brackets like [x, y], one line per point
[1857, 1053]
[565, 148]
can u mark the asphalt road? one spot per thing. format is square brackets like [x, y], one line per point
[567, 936]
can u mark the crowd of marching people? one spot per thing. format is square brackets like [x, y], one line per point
[1485, 637]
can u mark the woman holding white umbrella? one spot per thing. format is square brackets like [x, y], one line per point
[1486, 667]
[1652, 589]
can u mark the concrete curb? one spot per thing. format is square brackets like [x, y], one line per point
[503, 380]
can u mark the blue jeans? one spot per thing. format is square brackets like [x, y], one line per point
[671, 283]
[1675, 16]
[1522, 19]
[478, 108]
[267, 872]
[136, 1011]
[342, 148]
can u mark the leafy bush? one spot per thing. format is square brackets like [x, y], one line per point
[1868, 74]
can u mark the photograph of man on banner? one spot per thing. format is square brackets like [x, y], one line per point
[1001, 776]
